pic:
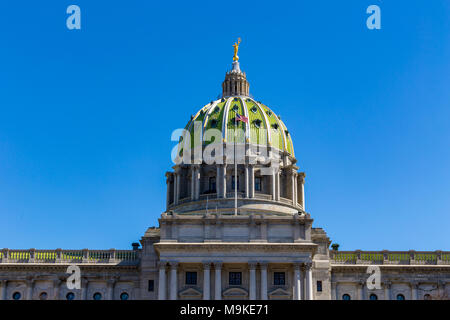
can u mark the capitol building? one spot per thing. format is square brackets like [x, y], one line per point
[236, 226]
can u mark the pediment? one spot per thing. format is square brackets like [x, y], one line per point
[235, 292]
[190, 292]
[279, 293]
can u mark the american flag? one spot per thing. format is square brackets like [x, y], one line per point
[241, 118]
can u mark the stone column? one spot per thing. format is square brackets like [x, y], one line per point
[110, 286]
[175, 188]
[414, 291]
[361, 290]
[251, 173]
[218, 280]
[206, 281]
[167, 192]
[273, 183]
[292, 193]
[3, 292]
[30, 287]
[387, 290]
[295, 189]
[197, 183]
[263, 267]
[84, 288]
[334, 291]
[308, 280]
[192, 183]
[162, 281]
[301, 183]
[246, 180]
[252, 268]
[56, 286]
[218, 181]
[178, 176]
[277, 185]
[297, 281]
[173, 280]
[224, 180]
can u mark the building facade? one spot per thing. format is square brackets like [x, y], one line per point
[235, 227]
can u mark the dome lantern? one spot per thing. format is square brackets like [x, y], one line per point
[235, 83]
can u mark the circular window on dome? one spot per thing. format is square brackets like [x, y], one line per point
[216, 110]
[257, 123]
[275, 126]
[43, 296]
[346, 297]
[373, 297]
[214, 123]
[97, 296]
[400, 297]
[16, 296]
[269, 113]
[70, 296]
[235, 108]
[253, 109]
[286, 132]
[124, 296]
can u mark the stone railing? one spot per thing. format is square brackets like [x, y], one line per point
[391, 257]
[111, 256]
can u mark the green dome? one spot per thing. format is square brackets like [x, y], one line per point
[264, 127]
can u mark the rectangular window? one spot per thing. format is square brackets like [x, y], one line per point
[257, 184]
[151, 285]
[232, 182]
[319, 286]
[212, 184]
[279, 278]
[235, 278]
[191, 278]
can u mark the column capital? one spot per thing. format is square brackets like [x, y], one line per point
[263, 264]
[307, 265]
[218, 264]
[173, 264]
[162, 264]
[387, 283]
[252, 265]
[206, 265]
[297, 265]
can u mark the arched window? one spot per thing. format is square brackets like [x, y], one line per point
[97, 296]
[346, 297]
[427, 297]
[43, 296]
[70, 296]
[232, 182]
[257, 183]
[124, 296]
[373, 297]
[400, 297]
[212, 184]
[16, 296]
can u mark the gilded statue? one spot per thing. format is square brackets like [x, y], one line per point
[236, 48]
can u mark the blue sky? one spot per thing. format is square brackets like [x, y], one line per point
[86, 115]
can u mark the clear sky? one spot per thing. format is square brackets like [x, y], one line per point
[86, 115]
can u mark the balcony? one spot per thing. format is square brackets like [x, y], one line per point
[59, 256]
[391, 257]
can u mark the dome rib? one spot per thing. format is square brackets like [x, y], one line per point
[266, 121]
[247, 124]
[221, 110]
[225, 119]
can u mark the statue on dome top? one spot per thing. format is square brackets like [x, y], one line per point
[236, 48]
